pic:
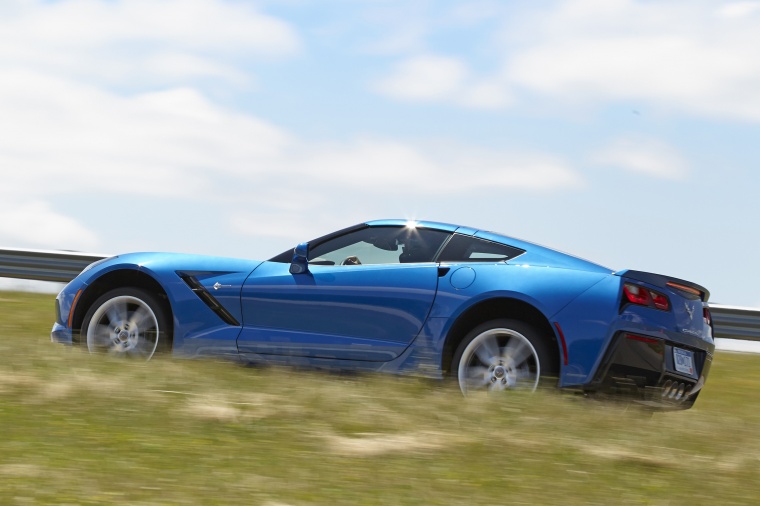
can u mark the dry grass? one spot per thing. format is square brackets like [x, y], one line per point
[83, 430]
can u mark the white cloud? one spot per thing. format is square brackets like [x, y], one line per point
[738, 9]
[677, 55]
[643, 155]
[471, 169]
[376, 166]
[156, 41]
[58, 136]
[286, 226]
[425, 78]
[177, 66]
[329, 186]
[694, 57]
[486, 94]
[433, 78]
[64, 132]
[35, 223]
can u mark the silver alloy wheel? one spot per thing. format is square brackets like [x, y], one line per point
[499, 359]
[124, 326]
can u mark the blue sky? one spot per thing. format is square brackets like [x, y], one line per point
[622, 131]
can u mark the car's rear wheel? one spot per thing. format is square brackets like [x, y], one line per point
[127, 322]
[501, 355]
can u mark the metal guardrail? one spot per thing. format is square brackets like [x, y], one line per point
[729, 322]
[40, 265]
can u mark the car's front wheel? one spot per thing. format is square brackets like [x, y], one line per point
[501, 355]
[126, 322]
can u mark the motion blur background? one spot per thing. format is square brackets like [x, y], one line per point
[618, 130]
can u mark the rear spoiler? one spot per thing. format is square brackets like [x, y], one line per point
[686, 288]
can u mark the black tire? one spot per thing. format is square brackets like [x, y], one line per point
[127, 322]
[503, 354]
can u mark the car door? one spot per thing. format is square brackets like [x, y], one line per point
[365, 296]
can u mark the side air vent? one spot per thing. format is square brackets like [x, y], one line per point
[208, 299]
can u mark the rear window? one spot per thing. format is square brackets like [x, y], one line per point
[462, 248]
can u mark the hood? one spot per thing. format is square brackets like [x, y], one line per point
[172, 262]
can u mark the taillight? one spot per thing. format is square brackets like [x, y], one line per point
[707, 316]
[660, 301]
[642, 296]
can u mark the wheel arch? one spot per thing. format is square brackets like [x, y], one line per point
[496, 308]
[121, 278]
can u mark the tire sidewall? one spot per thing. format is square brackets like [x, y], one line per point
[546, 364]
[164, 334]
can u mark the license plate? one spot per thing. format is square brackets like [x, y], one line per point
[684, 361]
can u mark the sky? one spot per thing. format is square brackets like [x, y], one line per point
[621, 131]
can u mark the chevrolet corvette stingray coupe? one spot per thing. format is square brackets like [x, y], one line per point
[493, 312]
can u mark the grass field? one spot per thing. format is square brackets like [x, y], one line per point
[76, 429]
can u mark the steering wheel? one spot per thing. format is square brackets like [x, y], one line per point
[352, 260]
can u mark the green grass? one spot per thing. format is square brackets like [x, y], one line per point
[76, 429]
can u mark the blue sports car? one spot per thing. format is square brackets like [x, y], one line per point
[494, 312]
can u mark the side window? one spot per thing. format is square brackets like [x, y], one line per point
[463, 248]
[379, 245]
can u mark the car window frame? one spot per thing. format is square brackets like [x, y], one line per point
[446, 236]
[474, 239]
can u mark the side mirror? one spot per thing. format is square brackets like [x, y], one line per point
[300, 263]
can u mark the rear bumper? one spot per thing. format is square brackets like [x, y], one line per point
[643, 370]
